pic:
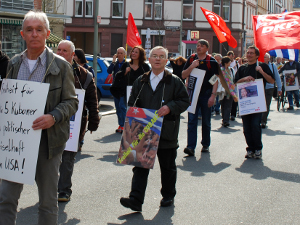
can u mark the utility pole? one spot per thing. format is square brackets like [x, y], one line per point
[95, 39]
[180, 39]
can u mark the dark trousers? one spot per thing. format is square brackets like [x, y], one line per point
[226, 104]
[234, 109]
[252, 131]
[269, 95]
[166, 158]
[66, 172]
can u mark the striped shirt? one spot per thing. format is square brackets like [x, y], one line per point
[38, 70]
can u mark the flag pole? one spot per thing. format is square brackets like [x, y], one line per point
[224, 47]
[126, 53]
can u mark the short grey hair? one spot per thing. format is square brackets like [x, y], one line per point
[159, 48]
[121, 48]
[70, 43]
[37, 15]
[267, 54]
[218, 55]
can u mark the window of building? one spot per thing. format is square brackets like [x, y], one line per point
[78, 8]
[222, 8]
[88, 8]
[17, 4]
[158, 9]
[117, 7]
[148, 9]
[188, 12]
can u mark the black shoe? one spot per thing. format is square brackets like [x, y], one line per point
[165, 202]
[225, 124]
[232, 118]
[217, 112]
[263, 125]
[63, 197]
[189, 151]
[131, 203]
[297, 104]
[290, 108]
[205, 149]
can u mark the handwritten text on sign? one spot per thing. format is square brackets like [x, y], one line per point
[21, 102]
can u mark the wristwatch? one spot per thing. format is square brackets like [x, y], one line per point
[54, 118]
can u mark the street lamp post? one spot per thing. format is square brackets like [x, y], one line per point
[95, 52]
[180, 39]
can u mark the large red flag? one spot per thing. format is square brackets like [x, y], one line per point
[133, 37]
[276, 31]
[219, 26]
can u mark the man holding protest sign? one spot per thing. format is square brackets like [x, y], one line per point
[251, 123]
[83, 80]
[206, 99]
[162, 91]
[38, 63]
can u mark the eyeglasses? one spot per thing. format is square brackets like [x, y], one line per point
[158, 56]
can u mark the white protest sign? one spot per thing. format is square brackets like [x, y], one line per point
[75, 123]
[128, 92]
[21, 102]
[290, 80]
[193, 87]
[251, 97]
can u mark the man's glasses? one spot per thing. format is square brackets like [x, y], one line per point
[158, 56]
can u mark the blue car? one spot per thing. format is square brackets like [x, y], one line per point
[104, 79]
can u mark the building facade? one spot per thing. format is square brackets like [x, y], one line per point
[12, 14]
[163, 18]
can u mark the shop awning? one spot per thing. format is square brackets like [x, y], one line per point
[11, 21]
[53, 40]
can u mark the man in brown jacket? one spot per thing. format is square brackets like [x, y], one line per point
[83, 80]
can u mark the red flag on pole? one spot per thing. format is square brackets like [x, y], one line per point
[133, 37]
[219, 26]
[276, 31]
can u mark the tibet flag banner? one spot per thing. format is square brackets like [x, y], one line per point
[219, 26]
[276, 31]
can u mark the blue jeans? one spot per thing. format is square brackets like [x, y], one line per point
[252, 131]
[193, 122]
[290, 96]
[120, 110]
[216, 107]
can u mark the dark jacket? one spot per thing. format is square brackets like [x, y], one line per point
[61, 100]
[295, 66]
[115, 67]
[84, 80]
[4, 59]
[171, 92]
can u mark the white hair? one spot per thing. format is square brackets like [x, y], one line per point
[36, 15]
[267, 54]
[70, 43]
[121, 48]
[159, 48]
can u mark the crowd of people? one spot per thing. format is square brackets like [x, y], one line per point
[135, 85]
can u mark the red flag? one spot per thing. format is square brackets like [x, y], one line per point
[219, 26]
[276, 31]
[136, 112]
[133, 37]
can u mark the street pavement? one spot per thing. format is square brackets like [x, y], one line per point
[220, 187]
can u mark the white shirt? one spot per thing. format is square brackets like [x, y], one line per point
[233, 64]
[155, 79]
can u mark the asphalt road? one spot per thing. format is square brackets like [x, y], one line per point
[220, 187]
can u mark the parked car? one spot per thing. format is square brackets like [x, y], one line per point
[104, 80]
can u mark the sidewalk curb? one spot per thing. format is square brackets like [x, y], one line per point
[108, 112]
